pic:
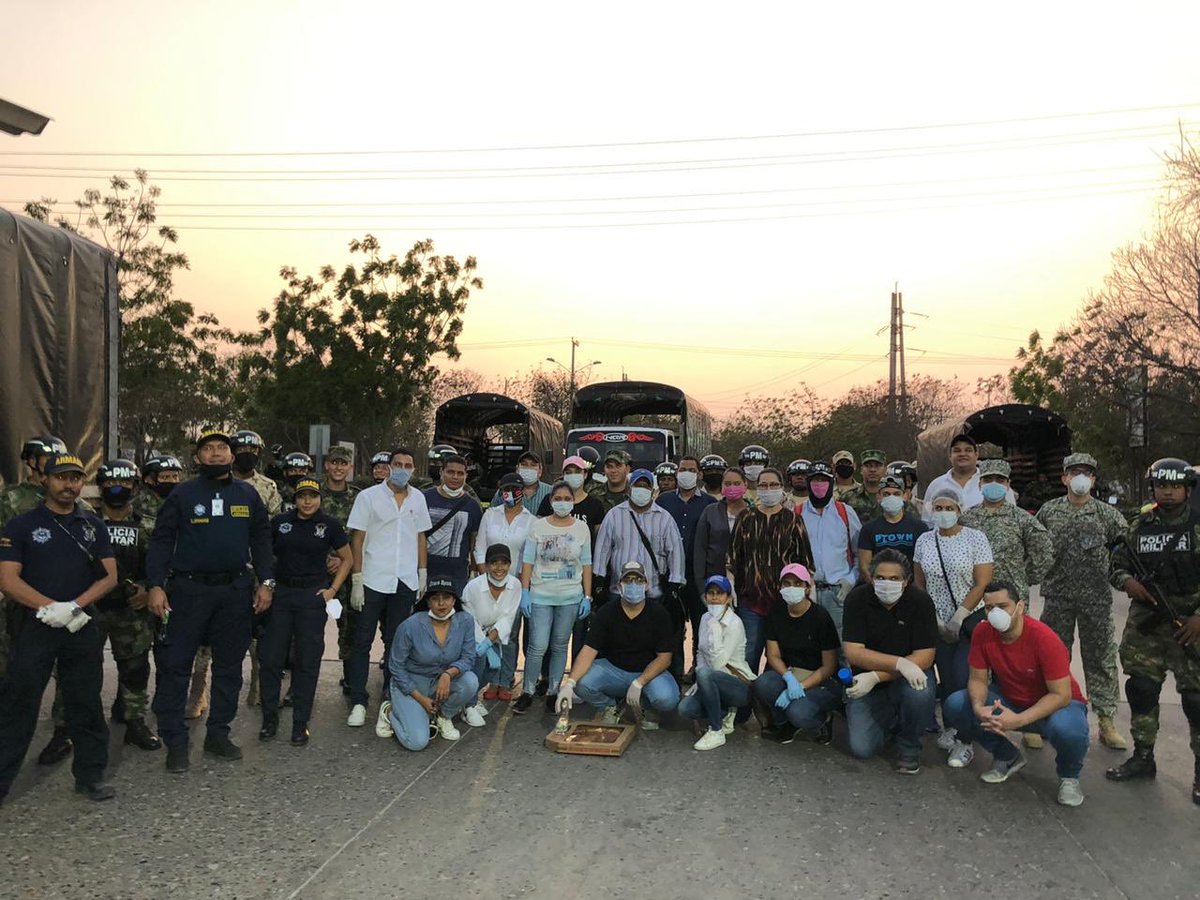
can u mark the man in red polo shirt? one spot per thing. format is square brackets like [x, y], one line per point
[1030, 689]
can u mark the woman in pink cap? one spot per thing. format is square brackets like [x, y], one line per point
[799, 686]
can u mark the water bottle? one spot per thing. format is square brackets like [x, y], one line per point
[845, 676]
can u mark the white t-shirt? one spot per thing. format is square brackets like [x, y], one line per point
[390, 543]
[961, 553]
[494, 528]
[489, 612]
[558, 556]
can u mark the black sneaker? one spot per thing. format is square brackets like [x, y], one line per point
[908, 766]
[522, 705]
[780, 734]
[99, 791]
[345, 687]
[138, 733]
[539, 689]
[550, 703]
[270, 728]
[58, 748]
[222, 747]
[177, 760]
[299, 734]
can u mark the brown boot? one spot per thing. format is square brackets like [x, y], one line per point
[1109, 736]
[197, 704]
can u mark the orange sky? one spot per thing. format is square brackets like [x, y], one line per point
[720, 237]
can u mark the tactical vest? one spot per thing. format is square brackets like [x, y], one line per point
[129, 549]
[1171, 555]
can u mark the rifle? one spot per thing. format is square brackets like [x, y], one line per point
[1163, 608]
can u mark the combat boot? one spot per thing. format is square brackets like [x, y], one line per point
[1140, 765]
[58, 748]
[1109, 736]
[138, 733]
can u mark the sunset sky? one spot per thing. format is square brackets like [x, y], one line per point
[737, 185]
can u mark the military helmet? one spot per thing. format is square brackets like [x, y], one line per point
[820, 469]
[589, 455]
[753, 453]
[164, 463]
[117, 470]
[298, 460]
[799, 467]
[439, 452]
[42, 445]
[245, 440]
[666, 468]
[383, 456]
[713, 463]
[902, 469]
[1171, 470]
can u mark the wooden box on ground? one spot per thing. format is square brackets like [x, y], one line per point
[593, 739]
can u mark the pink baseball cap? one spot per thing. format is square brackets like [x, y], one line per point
[798, 570]
[575, 461]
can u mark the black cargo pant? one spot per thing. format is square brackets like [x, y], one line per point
[297, 615]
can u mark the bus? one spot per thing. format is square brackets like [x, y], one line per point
[652, 422]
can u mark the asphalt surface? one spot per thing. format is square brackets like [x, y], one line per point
[496, 815]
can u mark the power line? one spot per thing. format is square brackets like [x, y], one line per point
[615, 144]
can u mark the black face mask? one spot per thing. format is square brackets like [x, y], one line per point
[245, 463]
[116, 495]
[293, 479]
[214, 471]
[163, 488]
[712, 480]
[844, 470]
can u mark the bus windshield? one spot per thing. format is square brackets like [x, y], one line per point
[646, 446]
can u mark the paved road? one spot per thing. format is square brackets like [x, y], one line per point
[495, 815]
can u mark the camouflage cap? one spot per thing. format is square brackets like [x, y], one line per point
[1079, 459]
[995, 467]
[619, 455]
[337, 451]
[873, 456]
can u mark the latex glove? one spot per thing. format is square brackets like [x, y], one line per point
[57, 614]
[913, 674]
[862, 685]
[795, 690]
[334, 608]
[633, 696]
[783, 700]
[526, 603]
[482, 647]
[960, 616]
[845, 586]
[493, 656]
[585, 608]
[357, 597]
[566, 695]
[422, 580]
[78, 622]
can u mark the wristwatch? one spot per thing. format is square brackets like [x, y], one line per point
[269, 584]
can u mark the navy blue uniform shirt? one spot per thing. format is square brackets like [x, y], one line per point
[686, 514]
[303, 545]
[211, 527]
[52, 561]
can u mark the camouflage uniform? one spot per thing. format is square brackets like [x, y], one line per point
[1148, 646]
[339, 505]
[1076, 589]
[1021, 547]
[840, 491]
[607, 498]
[146, 504]
[267, 491]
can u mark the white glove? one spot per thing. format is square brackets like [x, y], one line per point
[845, 586]
[422, 580]
[78, 622]
[334, 608]
[566, 695]
[912, 673]
[862, 685]
[357, 597]
[960, 616]
[57, 614]
[633, 696]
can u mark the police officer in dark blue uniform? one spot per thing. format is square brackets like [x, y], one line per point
[305, 594]
[206, 533]
[55, 562]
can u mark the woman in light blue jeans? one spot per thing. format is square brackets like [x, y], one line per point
[556, 581]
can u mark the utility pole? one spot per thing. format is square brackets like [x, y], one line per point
[900, 335]
[897, 381]
[892, 361]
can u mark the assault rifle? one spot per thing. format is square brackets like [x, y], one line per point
[1163, 608]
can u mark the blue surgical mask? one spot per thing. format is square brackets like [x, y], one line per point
[528, 475]
[891, 504]
[633, 591]
[641, 496]
[399, 477]
[716, 609]
[945, 518]
[993, 492]
[574, 480]
[562, 508]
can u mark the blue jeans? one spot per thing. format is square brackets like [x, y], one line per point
[716, 692]
[827, 599]
[1066, 730]
[952, 667]
[605, 685]
[549, 625]
[873, 717]
[756, 636]
[485, 673]
[809, 712]
[391, 609]
[409, 720]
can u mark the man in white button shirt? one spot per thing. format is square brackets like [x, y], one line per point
[963, 475]
[387, 537]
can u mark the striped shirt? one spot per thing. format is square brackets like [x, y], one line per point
[618, 542]
[760, 547]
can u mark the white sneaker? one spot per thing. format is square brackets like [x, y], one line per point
[649, 720]
[447, 730]
[472, 716]
[947, 739]
[610, 715]
[1001, 771]
[481, 709]
[961, 755]
[727, 722]
[710, 740]
[1069, 793]
[358, 716]
[383, 725]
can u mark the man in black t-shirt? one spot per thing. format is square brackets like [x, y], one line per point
[889, 633]
[628, 652]
[896, 529]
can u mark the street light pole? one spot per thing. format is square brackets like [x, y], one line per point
[571, 408]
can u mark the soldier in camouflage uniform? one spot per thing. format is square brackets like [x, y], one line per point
[864, 498]
[337, 499]
[248, 448]
[1166, 539]
[1021, 547]
[614, 490]
[160, 474]
[1076, 587]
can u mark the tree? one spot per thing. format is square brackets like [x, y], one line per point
[356, 350]
[171, 372]
[549, 391]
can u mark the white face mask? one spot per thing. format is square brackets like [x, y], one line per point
[891, 504]
[752, 472]
[496, 582]
[793, 595]
[453, 492]
[770, 496]
[574, 480]
[686, 480]
[640, 496]
[945, 518]
[528, 475]
[716, 609]
[887, 591]
[562, 508]
[1081, 485]
[999, 619]
[445, 618]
